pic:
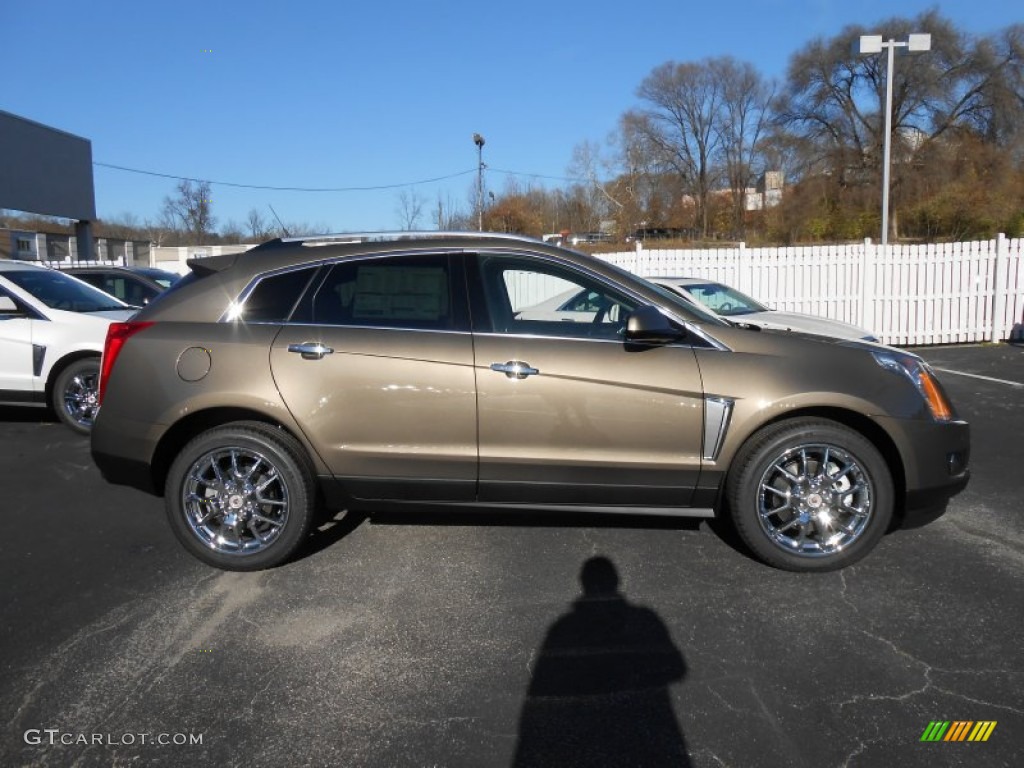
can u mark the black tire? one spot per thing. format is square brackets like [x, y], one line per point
[810, 495]
[241, 497]
[75, 394]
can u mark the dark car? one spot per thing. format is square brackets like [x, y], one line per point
[133, 285]
[383, 372]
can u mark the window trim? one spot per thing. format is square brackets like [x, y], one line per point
[457, 289]
[478, 299]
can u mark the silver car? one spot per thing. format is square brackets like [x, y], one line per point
[736, 306]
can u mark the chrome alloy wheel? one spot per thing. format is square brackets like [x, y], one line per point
[80, 398]
[235, 501]
[815, 500]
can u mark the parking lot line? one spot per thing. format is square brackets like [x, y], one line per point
[979, 376]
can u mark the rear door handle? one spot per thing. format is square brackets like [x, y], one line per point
[515, 369]
[310, 350]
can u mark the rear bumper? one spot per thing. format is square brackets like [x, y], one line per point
[122, 456]
[121, 471]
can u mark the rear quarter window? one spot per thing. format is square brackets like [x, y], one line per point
[274, 297]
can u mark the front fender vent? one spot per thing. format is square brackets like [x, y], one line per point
[717, 411]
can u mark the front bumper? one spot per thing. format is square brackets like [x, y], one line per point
[936, 458]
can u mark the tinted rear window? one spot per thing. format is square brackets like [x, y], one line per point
[399, 292]
[274, 297]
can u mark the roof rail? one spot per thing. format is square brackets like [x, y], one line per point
[385, 236]
[75, 263]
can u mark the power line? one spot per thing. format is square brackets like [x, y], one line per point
[538, 175]
[285, 189]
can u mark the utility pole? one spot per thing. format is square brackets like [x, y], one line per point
[479, 141]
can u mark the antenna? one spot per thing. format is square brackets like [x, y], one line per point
[280, 223]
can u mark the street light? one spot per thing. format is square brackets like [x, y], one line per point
[479, 141]
[875, 44]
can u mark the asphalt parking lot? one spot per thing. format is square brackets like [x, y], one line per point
[399, 641]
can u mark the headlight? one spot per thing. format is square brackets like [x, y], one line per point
[921, 376]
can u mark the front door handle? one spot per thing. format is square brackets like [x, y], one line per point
[515, 369]
[310, 350]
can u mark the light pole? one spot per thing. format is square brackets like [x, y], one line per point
[875, 44]
[479, 141]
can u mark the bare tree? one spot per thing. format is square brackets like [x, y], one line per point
[835, 98]
[259, 228]
[409, 209]
[448, 216]
[125, 226]
[745, 111]
[232, 232]
[636, 187]
[680, 125]
[191, 209]
[590, 196]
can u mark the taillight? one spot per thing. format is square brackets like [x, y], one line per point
[117, 335]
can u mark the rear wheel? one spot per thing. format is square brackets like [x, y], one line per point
[75, 394]
[241, 497]
[810, 495]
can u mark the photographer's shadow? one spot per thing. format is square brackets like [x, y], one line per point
[600, 688]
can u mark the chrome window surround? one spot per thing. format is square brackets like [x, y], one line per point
[717, 412]
[234, 309]
[710, 340]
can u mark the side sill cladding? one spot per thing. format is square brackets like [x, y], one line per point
[717, 412]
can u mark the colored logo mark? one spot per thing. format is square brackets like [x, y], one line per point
[958, 730]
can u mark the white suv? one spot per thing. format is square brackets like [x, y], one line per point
[52, 329]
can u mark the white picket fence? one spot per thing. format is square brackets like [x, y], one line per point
[939, 293]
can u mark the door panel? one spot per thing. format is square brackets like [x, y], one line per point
[599, 423]
[386, 405]
[575, 414]
[380, 377]
[16, 354]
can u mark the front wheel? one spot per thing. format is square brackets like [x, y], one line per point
[241, 497]
[75, 395]
[810, 495]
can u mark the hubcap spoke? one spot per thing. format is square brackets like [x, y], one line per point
[225, 510]
[820, 511]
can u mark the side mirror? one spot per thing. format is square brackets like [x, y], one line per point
[7, 306]
[646, 323]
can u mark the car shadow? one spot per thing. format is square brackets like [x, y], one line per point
[27, 415]
[328, 529]
[599, 694]
[534, 519]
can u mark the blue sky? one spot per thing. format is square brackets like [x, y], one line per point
[366, 94]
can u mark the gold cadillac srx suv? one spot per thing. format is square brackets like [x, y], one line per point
[383, 371]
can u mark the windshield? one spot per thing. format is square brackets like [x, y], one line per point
[691, 307]
[722, 299]
[688, 308]
[165, 278]
[60, 291]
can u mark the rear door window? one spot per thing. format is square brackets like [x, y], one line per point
[393, 292]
